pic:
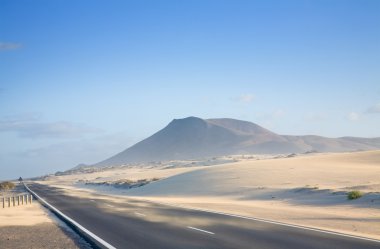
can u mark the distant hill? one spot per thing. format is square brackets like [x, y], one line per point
[193, 137]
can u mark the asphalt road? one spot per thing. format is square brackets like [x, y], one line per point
[138, 224]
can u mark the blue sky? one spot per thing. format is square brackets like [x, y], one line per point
[83, 80]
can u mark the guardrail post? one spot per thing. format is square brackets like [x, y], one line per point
[18, 200]
[3, 202]
[22, 199]
[31, 199]
[13, 200]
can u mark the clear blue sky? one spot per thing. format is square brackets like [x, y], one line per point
[82, 80]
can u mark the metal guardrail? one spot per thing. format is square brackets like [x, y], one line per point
[90, 237]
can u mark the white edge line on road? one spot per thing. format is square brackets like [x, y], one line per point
[140, 214]
[220, 213]
[86, 231]
[201, 230]
[261, 220]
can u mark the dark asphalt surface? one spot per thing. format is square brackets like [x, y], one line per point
[138, 224]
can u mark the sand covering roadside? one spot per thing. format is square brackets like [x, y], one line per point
[305, 190]
[30, 226]
[26, 215]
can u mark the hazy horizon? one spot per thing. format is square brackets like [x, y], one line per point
[81, 81]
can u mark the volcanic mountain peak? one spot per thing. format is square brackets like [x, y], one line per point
[193, 138]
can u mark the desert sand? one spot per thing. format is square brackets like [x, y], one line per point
[309, 190]
[26, 215]
[31, 226]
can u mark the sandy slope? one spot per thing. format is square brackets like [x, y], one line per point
[249, 180]
[131, 173]
[307, 190]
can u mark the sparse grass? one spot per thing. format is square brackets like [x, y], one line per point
[354, 195]
[7, 185]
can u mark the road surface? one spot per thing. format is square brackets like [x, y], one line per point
[129, 223]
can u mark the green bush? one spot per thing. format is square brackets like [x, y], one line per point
[354, 195]
[7, 185]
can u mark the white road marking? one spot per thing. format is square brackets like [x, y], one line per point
[73, 222]
[207, 211]
[262, 220]
[92, 200]
[110, 205]
[201, 230]
[140, 214]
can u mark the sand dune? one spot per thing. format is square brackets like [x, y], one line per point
[249, 179]
[308, 190]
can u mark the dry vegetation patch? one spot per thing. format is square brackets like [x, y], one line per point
[354, 195]
[123, 183]
[7, 186]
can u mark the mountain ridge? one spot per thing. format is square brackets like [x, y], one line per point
[194, 138]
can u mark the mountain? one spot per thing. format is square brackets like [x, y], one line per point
[193, 137]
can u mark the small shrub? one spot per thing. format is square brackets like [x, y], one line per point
[354, 195]
[7, 185]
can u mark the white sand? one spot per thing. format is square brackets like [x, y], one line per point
[31, 226]
[307, 190]
[334, 172]
[25, 215]
[131, 173]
